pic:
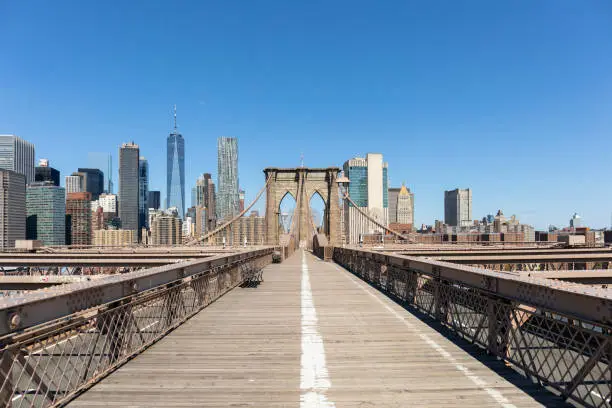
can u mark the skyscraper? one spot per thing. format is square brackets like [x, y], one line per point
[46, 213]
[45, 173]
[12, 208]
[78, 210]
[153, 200]
[143, 188]
[227, 173]
[401, 206]
[393, 194]
[206, 198]
[405, 206]
[175, 170]
[93, 181]
[368, 188]
[17, 155]
[104, 162]
[458, 207]
[129, 154]
[74, 184]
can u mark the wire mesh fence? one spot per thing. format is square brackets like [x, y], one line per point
[569, 354]
[49, 364]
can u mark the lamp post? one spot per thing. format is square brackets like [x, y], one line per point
[343, 184]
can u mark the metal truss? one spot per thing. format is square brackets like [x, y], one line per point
[545, 266]
[72, 270]
[49, 364]
[566, 351]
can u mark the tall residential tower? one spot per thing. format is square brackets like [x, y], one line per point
[227, 178]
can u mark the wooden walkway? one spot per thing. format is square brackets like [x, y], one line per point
[311, 335]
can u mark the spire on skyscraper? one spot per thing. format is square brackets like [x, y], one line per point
[175, 117]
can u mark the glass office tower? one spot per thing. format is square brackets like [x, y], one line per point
[175, 170]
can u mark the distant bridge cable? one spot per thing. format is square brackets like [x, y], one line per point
[397, 234]
[227, 224]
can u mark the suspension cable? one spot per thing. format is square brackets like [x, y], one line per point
[227, 224]
[374, 221]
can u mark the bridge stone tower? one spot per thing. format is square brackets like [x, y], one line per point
[302, 183]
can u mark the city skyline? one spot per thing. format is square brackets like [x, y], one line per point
[445, 105]
[393, 203]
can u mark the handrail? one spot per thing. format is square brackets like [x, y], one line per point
[93, 328]
[558, 334]
[582, 301]
[39, 306]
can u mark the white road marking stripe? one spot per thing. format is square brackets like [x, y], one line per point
[314, 378]
[493, 393]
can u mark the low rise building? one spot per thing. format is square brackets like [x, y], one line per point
[166, 227]
[249, 229]
[116, 238]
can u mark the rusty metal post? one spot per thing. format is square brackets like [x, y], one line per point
[492, 326]
[440, 298]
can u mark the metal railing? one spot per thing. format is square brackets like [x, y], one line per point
[557, 334]
[58, 342]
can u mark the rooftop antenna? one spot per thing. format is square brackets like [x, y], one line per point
[175, 117]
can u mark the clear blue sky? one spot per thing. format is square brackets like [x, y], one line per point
[510, 98]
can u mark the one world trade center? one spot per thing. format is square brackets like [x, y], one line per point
[175, 170]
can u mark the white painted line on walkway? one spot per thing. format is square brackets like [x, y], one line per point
[314, 378]
[493, 393]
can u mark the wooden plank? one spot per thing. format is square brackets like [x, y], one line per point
[245, 350]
